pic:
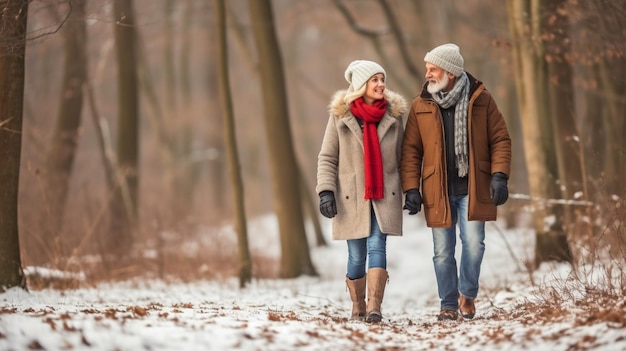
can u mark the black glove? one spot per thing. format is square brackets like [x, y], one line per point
[328, 207]
[498, 190]
[413, 201]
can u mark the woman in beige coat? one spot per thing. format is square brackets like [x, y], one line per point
[358, 179]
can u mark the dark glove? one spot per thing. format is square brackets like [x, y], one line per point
[498, 190]
[413, 201]
[328, 206]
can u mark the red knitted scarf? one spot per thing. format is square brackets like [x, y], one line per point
[373, 160]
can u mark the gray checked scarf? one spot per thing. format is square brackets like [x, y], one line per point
[459, 96]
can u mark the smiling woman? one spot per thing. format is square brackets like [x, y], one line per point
[359, 160]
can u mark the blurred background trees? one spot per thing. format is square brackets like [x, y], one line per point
[142, 75]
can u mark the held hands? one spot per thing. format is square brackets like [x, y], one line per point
[328, 206]
[498, 190]
[413, 201]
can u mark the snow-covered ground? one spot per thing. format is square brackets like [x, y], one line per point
[310, 313]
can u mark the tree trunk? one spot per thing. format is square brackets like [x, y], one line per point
[613, 120]
[191, 169]
[245, 262]
[295, 256]
[168, 59]
[125, 200]
[566, 137]
[217, 164]
[13, 18]
[532, 88]
[61, 154]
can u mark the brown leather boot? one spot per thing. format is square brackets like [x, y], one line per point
[467, 307]
[376, 281]
[356, 288]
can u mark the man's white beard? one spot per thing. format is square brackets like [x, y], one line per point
[435, 87]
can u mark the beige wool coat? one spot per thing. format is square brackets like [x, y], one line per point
[340, 169]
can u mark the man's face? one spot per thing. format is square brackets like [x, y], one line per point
[438, 78]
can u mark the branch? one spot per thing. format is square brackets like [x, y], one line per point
[67, 16]
[357, 27]
[551, 201]
[374, 36]
[397, 35]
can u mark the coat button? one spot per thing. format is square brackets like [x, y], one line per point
[347, 197]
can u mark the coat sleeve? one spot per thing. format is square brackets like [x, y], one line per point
[412, 153]
[328, 159]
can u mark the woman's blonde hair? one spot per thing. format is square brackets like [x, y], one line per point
[352, 94]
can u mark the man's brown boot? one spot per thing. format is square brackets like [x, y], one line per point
[467, 307]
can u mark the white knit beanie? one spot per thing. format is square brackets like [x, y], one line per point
[448, 57]
[359, 71]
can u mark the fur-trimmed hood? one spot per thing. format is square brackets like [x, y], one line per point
[397, 106]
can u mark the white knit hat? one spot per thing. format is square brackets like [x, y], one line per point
[448, 57]
[359, 71]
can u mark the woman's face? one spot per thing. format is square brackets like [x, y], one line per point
[374, 89]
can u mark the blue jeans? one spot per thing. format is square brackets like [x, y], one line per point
[472, 234]
[373, 247]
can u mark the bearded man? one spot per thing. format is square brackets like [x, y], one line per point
[456, 161]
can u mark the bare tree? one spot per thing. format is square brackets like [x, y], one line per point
[378, 37]
[245, 262]
[13, 18]
[308, 202]
[191, 168]
[125, 200]
[562, 109]
[169, 50]
[61, 154]
[295, 256]
[599, 54]
[217, 163]
[531, 74]
[606, 35]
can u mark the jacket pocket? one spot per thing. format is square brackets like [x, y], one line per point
[346, 194]
[429, 186]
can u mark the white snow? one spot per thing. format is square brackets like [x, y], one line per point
[309, 313]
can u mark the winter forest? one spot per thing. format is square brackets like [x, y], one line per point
[140, 138]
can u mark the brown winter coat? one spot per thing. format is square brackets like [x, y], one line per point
[423, 164]
[340, 169]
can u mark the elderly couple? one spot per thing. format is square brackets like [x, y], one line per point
[453, 156]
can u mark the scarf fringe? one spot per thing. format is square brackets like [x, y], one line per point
[374, 193]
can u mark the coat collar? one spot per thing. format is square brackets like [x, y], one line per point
[396, 105]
